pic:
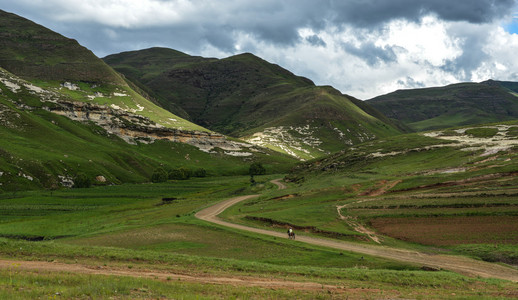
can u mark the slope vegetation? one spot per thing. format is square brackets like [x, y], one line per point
[447, 191]
[52, 61]
[48, 139]
[452, 105]
[65, 112]
[247, 97]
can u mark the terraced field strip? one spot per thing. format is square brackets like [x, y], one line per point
[458, 264]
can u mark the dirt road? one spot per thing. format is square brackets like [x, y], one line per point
[458, 264]
[163, 275]
[462, 265]
[280, 185]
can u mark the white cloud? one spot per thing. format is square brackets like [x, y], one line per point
[427, 41]
[122, 13]
[501, 63]
[429, 53]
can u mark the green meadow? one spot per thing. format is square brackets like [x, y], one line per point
[137, 227]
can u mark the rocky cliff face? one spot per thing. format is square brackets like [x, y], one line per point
[131, 127]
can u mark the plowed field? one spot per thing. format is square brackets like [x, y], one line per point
[445, 231]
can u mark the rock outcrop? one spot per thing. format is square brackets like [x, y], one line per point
[129, 126]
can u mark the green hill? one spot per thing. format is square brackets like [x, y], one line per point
[454, 190]
[244, 96]
[44, 144]
[52, 61]
[34, 52]
[65, 112]
[452, 105]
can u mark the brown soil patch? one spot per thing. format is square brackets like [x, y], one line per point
[381, 188]
[285, 197]
[444, 231]
[459, 264]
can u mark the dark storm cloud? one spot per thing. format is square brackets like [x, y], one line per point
[410, 82]
[369, 13]
[315, 40]
[371, 54]
[276, 22]
[463, 65]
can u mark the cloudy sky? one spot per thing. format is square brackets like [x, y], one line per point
[362, 47]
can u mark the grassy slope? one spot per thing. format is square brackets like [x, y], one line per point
[43, 145]
[38, 146]
[244, 94]
[49, 59]
[431, 178]
[452, 105]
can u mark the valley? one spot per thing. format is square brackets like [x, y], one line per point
[157, 174]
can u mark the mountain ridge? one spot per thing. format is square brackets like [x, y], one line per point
[453, 105]
[246, 97]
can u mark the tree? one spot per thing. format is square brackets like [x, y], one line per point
[256, 169]
[200, 172]
[159, 175]
[81, 180]
[180, 174]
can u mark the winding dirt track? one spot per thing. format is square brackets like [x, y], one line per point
[38, 266]
[457, 264]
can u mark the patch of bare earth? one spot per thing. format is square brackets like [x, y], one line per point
[458, 264]
[455, 230]
[381, 188]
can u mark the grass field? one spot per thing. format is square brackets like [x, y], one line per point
[130, 229]
[135, 217]
[453, 191]
[401, 195]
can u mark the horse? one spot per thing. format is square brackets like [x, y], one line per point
[291, 235]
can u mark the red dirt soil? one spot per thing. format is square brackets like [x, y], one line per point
[445, 231]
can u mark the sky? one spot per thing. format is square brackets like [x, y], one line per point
[363, 48]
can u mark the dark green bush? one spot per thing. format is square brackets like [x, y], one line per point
[159, 175]
[81, 180]
[199, 173]
[180, 174]
[256, 169]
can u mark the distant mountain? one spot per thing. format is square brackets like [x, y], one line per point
[452, 105]
[63, 112]
[245, 96]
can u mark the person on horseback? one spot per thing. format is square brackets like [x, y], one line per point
[291, 234]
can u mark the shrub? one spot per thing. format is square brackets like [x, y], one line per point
[81, 180]
[199, 173]
[159, 175]
[180, 174]
[256, 169]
